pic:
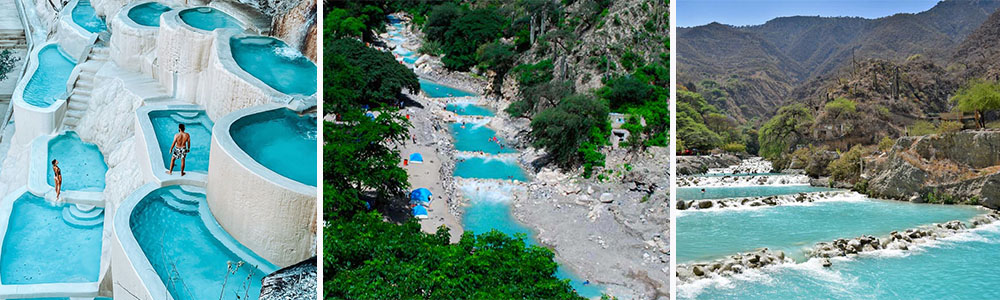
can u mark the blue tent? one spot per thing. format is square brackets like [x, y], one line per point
[420, 195]
[370, 115]
[420, 211]
[416, 157]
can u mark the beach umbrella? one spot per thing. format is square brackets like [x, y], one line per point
[420, 195]
[416, 158]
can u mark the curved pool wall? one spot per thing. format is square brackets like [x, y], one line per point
[269, 213]
[75, 38]
[182, 52]
[140, 223]
[45, 80]
[82, 164]
[133, 45]
[157, 125]
[234, 88]
[80, 247]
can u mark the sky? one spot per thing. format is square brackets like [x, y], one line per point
[752, 12]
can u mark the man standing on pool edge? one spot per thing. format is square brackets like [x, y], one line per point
[57, 177]
[180, 148]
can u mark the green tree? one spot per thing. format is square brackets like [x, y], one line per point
[563, 129]
[848, 166]
[784, 130]
[840, 107]
[366, 258]
[466, 33]
[978, 97]
[7, 61]
[383, 77]
[499, 58]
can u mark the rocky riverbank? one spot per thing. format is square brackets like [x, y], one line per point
[960, 167]
[761, 201]
[745, 180]
[691, 165]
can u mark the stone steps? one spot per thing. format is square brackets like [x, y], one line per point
[80, 96]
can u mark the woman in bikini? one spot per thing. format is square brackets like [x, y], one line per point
[58, 177]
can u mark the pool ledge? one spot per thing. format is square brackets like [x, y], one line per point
[73, 37]
[86, 289]
[234, 88]
[38, 181]
[149, 146]
[269, 213]
[132, 42]
[133, 272]
[33, 121]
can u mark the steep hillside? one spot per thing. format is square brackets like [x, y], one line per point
[808, 48]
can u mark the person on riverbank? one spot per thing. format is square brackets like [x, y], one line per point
[179, 149]
[57, 177]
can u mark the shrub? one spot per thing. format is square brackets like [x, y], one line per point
[430, 48]
[840, 106]
[734, 148]
[886, 144]
[949, 126]
[848, 166]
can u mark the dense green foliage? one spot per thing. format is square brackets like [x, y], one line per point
[848, 166]
[383, 77]
[642, 93]
[784, 130]
[461, 31]
[567, 130]
[7, 60]
[840, 107]
[979, 97]
[366, 257]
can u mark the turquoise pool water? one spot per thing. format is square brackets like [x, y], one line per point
[959, 268]
[488, 168]
[82, 164]
[437, 90]
[489, 203]
[276, 64]
[148, 13]
[196, 123]
[489, 211]
[475, 138]
[706, 235]
[85, 16]
[49, 80]
[51, 243]
[190, 261]
[469, 109]
[207, 18]
[281, 140]
[694, 193]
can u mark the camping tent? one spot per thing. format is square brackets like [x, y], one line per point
[421, 195]
[416, 158]
[420, 212]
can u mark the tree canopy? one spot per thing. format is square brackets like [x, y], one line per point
[563, 129]
[978, 96]
[784, 130]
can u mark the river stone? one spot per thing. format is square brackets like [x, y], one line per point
[705, 204]
[607, 198]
